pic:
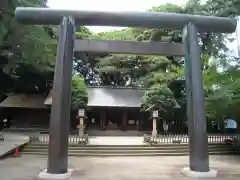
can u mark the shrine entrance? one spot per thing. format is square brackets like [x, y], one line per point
[123, 119]
[191, 26]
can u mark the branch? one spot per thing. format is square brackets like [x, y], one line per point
[3, 11]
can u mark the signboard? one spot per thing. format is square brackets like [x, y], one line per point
[81, 112]
[155, 114]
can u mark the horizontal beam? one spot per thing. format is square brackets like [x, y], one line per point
[158, 20]
[129, 47]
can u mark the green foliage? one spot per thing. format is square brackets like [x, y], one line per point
[83, 33]
[161, 72]
[158, 97]
[27, 59]
[125, 34]
[27, 44]
[223, 8]
[225, 99]
[164, 35]
[79, 93]
[29, 52]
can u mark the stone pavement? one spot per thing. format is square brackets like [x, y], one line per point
[122, 168]
[116, 140]
[11, 141]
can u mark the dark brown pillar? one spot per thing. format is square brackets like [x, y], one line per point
[197, 130]
[61, 100]
[141, 123]
[103, 120]
[124, 121]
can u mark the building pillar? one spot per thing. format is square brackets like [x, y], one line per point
[101, 123]
[161, 125]
[140, 123]
[61, 100]
[198, 141]
[124, 120]
[103, 120]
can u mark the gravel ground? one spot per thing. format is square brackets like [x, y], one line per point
[120, 168]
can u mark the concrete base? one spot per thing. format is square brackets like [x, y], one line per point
[210, 174]
[45, 175]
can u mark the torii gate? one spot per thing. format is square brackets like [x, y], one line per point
[60, 112]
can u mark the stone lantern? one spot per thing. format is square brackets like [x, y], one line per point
[81, 113]
[154, 124]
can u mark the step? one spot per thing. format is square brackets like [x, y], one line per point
[136, 154]
[124, 146]
[130, 152]
[120, 150]
[126, 149]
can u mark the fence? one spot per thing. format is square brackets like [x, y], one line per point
[183, 139]
[44, 139]
[160, 139]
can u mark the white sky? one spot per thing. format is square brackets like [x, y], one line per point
[234, 46]
[109, 5]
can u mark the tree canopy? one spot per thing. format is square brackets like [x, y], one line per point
[28, 55]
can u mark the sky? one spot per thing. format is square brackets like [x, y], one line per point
[109, 5]
[123, 5]
[235, 45]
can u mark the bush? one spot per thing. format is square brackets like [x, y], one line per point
[158, 97]
[79, 93]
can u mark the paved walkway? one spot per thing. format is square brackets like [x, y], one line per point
[123, 168]
[116, 140]
[11, 141]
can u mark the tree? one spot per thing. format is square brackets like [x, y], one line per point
[225, 90]
[158, 97]
[223, 86]
[28, 59]
[28, 52]
[79, 93]
[154, 72]
[143, 71]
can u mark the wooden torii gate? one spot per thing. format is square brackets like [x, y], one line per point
[190, 24]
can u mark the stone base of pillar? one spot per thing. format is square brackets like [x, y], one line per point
[210, 174]
[45, 175]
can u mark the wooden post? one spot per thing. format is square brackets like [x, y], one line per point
[103, 120]
[197, 128]
[154, 127]
[101, 124]
[61, 100]
[154, 124]
[124, 121]
[81, 114]
[81, 127]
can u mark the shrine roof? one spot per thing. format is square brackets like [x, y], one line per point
[23, 101]
[105, 96]
[114, 97]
